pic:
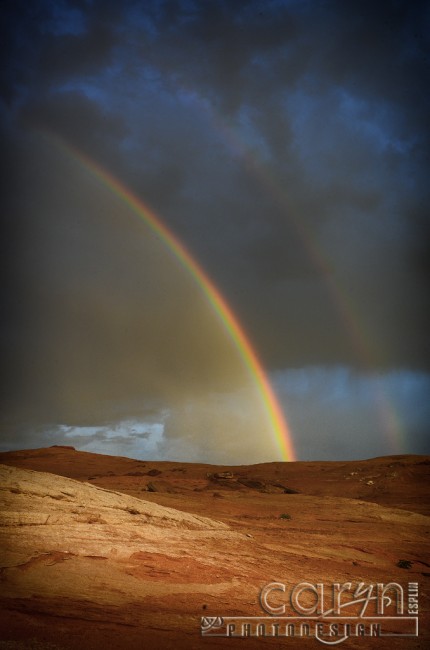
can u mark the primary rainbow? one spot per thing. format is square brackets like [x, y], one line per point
[222, 309]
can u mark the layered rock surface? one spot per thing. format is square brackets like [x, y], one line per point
[55, 514]
[87, 567]
[73, 550]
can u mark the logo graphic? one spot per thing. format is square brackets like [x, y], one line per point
[330, 614]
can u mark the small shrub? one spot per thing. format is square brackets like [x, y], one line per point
[284, 516]
[404, 564]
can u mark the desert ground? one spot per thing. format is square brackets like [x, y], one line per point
[103, 552]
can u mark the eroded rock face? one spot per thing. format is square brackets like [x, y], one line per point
[76, 552]
[44, 513]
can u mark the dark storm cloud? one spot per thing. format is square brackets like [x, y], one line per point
[77, 119]
[285, 142]
[107, 314]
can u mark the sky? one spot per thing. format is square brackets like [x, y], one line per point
[285, 143]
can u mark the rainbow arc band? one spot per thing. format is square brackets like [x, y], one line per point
[275, 414]
[351, 318]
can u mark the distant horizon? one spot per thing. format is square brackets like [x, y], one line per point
[182, 462]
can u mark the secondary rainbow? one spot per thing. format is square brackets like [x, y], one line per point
[222, 309]
[349, 315]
